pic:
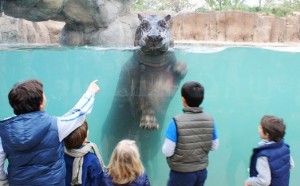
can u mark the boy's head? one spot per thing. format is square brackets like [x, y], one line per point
[77, 137]
[27, 96]
[272, 127]
[193, 93]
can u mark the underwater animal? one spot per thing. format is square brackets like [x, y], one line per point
[150, 78]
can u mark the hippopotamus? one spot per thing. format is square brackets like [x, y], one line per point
[147, 82]
[151, 77]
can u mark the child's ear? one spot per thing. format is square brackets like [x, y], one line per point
[184, 102]
[267, 135]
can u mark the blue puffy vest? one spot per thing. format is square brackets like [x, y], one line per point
[278, 155]
[34, 152]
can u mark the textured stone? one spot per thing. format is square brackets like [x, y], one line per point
[20, 31]
[112, 24]
[235, 26]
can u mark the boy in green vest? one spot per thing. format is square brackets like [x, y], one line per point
[189, 138]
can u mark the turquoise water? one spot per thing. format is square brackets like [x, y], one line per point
[242, 84]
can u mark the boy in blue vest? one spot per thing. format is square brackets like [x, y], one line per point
[271, 161]
[189, 138]
[32, 141]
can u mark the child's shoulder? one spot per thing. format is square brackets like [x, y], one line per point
[141, 180]
[207, 115]
[90, 156]
[91, 159]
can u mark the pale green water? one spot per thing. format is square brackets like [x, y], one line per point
[242, 84]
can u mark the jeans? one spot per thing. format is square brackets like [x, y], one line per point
[196, 178]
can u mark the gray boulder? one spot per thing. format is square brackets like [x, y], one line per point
[87, 22]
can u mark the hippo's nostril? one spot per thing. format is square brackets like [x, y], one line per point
[154, 37]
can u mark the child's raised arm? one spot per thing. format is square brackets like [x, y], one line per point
[75, 117]
[93, 87]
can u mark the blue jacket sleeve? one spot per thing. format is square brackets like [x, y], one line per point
[215, 134]
[171, 132]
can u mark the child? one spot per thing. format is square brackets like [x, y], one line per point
[32, 141]
[271, 161]
[83, 167]
[189, 138]
[125, 167]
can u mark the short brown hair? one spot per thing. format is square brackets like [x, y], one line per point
[193, 93]
[273, 126]
[26, 96]
[77, 137]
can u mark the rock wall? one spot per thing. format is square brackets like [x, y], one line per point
[21, 31]
[226, 26]
[84, 19]
[236, 26]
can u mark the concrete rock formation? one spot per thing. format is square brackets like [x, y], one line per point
[235, 26]
[21, 31]
[111, 23]
[85, 20]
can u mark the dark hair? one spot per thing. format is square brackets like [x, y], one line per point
[77, 137]
[274, 126]
[193, 93]
[26, 96]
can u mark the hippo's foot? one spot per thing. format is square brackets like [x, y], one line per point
[180, 68]
[148, 120]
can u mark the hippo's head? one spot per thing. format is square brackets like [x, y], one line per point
[154, 33]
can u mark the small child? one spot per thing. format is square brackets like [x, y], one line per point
[271, 161]
[83, 167]
[32, 141]
[125, 167]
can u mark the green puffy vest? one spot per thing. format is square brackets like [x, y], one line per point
[194, 140]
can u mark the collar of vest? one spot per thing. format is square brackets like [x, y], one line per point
[272, 145]
[193, 109]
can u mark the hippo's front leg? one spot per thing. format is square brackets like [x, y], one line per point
[148, 118]
[180, 69]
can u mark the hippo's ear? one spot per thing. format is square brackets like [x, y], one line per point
[168, 17]
[140, 17]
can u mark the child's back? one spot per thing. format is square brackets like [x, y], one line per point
[83, 167]
[30, 134]
[189, 138]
